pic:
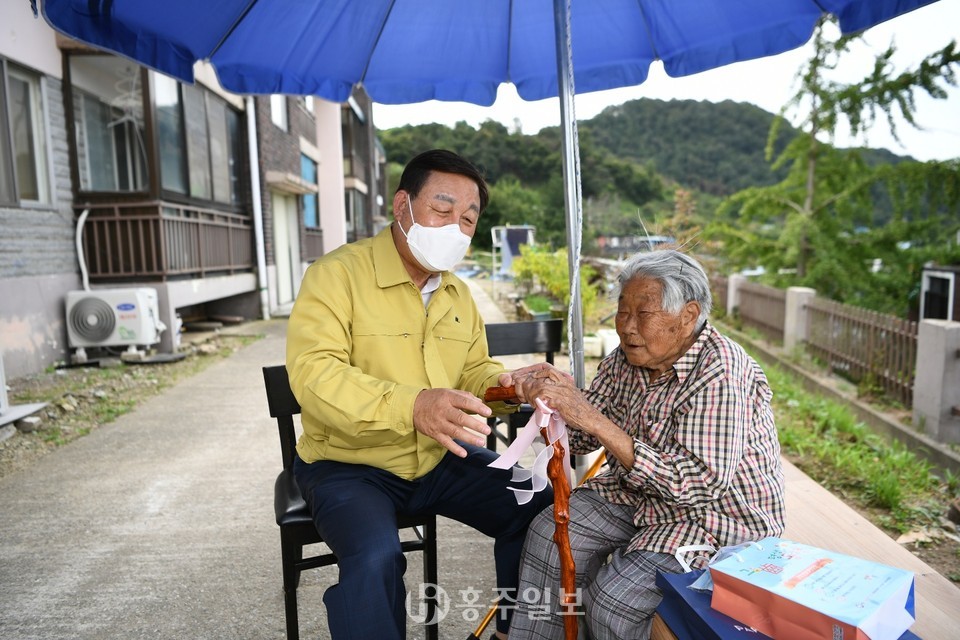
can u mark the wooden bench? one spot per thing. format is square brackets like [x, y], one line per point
[817, 517]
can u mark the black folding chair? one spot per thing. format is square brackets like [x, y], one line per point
[516, 338]
[296, 525]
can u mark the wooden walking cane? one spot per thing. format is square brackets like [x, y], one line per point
[561, 536]
[561, 516]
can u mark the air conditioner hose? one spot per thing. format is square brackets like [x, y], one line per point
[79, 240]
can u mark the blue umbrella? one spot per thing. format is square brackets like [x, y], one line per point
[406, 51]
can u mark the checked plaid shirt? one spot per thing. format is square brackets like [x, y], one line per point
[706, 456]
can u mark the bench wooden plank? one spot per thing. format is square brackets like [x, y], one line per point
[817, 517]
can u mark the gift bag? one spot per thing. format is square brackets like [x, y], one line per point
[791, 590]
[688, 613]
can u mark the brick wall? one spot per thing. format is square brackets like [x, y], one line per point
[280, 151]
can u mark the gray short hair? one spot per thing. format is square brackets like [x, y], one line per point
[681, 278]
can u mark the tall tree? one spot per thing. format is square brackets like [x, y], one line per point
[816, 227]
[510, 204]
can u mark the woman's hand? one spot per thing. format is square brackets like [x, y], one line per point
[561, 394]
[513, 378]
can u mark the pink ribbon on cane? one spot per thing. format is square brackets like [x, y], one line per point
[543, 416]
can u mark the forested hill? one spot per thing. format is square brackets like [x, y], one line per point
[715, 148]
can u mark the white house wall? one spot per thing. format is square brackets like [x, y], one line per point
[333, 215]
[28, 40]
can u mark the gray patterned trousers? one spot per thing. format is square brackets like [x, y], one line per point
[617, 591]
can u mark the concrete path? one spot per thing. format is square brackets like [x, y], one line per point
[160, 524]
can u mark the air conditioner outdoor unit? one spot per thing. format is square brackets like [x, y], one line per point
[113, 318]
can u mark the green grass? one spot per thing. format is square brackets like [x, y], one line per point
[123, 388]
[538, 304]
[108, 412]
[826, 440]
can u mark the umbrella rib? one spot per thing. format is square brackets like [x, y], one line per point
[820, 6]
[646, 25]
[508, 73]
[383, 25]
[233, 27]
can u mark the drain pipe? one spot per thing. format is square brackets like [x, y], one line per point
[257, 206]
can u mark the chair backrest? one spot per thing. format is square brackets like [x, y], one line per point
[283, 406]
[533, 336]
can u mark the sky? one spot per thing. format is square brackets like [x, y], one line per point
[768, 83]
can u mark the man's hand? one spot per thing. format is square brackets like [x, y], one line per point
[442, 414]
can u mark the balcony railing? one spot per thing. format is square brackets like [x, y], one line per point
[162, 240]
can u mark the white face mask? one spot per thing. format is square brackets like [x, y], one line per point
[436, 248]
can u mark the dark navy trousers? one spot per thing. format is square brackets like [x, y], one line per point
[355, 509]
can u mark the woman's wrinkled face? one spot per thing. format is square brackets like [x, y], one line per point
[649, 336]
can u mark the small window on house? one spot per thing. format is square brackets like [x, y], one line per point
[108, 123]
[198, 141]
[311, 213]
[219, 148]
[8, 189]
[308, 103]
[355, 210]
[278, 111]
[235, 150]
[23, 147]
[200, 138]
[170, 134]
[348, 207]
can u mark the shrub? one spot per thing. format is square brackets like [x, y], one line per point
[537, 269]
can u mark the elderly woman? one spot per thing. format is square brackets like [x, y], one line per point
[684, 415]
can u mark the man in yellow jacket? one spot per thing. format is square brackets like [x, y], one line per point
[387, 356]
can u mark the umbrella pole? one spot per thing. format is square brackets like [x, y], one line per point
[571, 180]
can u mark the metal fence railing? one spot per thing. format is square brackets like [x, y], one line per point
[874, 350]
[864, 346]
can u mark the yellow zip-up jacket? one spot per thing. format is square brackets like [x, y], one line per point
[361, 346]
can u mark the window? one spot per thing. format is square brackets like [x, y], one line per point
[108, 123]
[356, 142]
[278, 110]
[223, 123]
[219, 145]
[356, 211]
[198, 134]
[308, 171]
[8, 190]
[170, 134]
[23, 149]
[200, 142]
[308, 103]
[235, 152]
